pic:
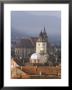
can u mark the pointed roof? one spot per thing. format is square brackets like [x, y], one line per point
[44, 30]
[44, 33]
[41, 37]
[41, 34]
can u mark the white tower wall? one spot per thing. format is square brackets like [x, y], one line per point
[41, 47]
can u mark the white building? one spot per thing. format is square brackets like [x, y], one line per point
[38, 58]
[41, 44]
[41, 55]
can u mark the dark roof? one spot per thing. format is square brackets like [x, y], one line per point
[44, 33]
[25, 43]
[43, 36]
[33, 40]
[44, 30]
[19, 62]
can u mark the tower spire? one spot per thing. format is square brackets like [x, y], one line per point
[41, 33]
[44, 30]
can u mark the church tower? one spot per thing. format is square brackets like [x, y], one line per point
[45, 35]
[41, 55]
[41, 44]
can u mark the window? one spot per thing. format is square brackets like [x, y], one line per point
[38, 44]
[43, 44]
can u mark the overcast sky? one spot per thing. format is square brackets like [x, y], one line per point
[32, 22]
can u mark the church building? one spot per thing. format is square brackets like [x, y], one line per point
[41, 44]
[41, 54]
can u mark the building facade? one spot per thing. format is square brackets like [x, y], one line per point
[24, 48]
[27, 47]
[41, 55]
